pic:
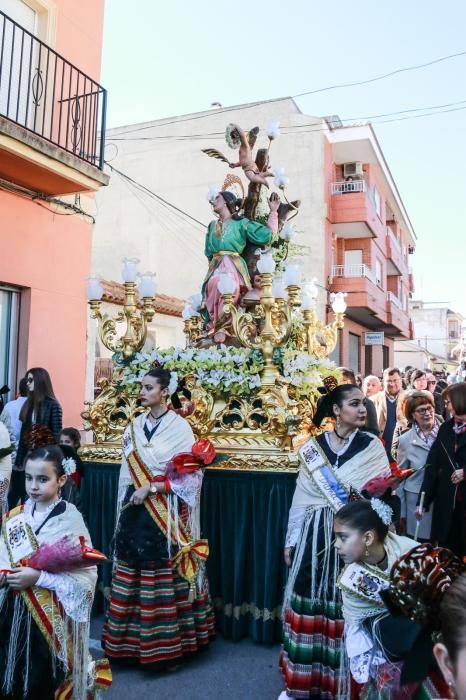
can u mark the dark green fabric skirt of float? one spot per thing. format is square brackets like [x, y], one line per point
[244, 516]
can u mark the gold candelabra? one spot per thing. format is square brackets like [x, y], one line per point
[321, 339]
[270, 324]
[137, 317]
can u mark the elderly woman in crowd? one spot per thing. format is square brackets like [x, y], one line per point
[371, 385]
[413, 449]
[402, 423]
[444, 482]
[418, 380]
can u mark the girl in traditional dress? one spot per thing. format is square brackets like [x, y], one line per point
[375, 641]
[159, 607]
[331, 464]
[46, 591]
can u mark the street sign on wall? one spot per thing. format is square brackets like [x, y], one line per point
[374, 338]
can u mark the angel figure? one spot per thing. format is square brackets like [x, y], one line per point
[246, 143]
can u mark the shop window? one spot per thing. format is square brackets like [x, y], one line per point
[354, 346]
[9, 314]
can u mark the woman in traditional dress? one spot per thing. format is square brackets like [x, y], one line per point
[159, 607]
[331, 464]
[47, 581]
[226, 240]
[376, 642]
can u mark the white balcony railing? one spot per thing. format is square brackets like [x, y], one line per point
[346, 187]
[353, 271]
[393, 239]
[394, 300]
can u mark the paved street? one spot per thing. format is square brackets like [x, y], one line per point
[228, 671]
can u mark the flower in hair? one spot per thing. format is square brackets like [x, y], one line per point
[384, 511]
[69, 466]
[173, 383]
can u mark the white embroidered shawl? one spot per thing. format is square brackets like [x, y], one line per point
[370, 462]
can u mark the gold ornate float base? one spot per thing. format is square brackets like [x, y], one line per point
[261, 432]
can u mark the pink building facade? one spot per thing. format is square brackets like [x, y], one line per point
[52, 109]
[369, 239]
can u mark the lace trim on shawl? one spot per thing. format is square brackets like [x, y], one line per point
[313, 519]
[295, 523]
[75, 598]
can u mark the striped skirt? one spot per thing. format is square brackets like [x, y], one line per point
[151, 620]
[312, 655]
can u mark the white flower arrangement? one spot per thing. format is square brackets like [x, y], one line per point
[228, 370]
[306, 372]
[383, 510]
[173, 383]
[69, 465]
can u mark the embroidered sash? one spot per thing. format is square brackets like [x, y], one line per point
[44, 606]
[365, 582]
[20, 540]
[186, 561]
[325, 478]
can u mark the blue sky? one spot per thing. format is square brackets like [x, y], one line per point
[173, 58]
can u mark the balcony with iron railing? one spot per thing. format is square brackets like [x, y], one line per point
[397, 264]
[397, 316]
[393, 299]
[348, 187]
[366, 299]
[353, 271]
[352, 210]
[54, 109]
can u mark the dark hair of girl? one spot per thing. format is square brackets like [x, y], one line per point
[74, 435]
[51, 453]
[233, 203]
[362, 517]
[42, 390]
[336, 396]
[162, 376]
[453, 618]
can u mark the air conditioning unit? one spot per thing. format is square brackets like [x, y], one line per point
[352, 169]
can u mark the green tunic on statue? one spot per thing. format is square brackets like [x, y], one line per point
[232, 242]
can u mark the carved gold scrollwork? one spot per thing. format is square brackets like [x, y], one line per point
[109, 414]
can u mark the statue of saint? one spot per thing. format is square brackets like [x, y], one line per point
[226, 240]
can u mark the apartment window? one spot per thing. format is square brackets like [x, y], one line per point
[367, 359]
[354, 346]
[353, 263]
[377, 202]
[385, 357]
[378, 272]
[9, 314]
